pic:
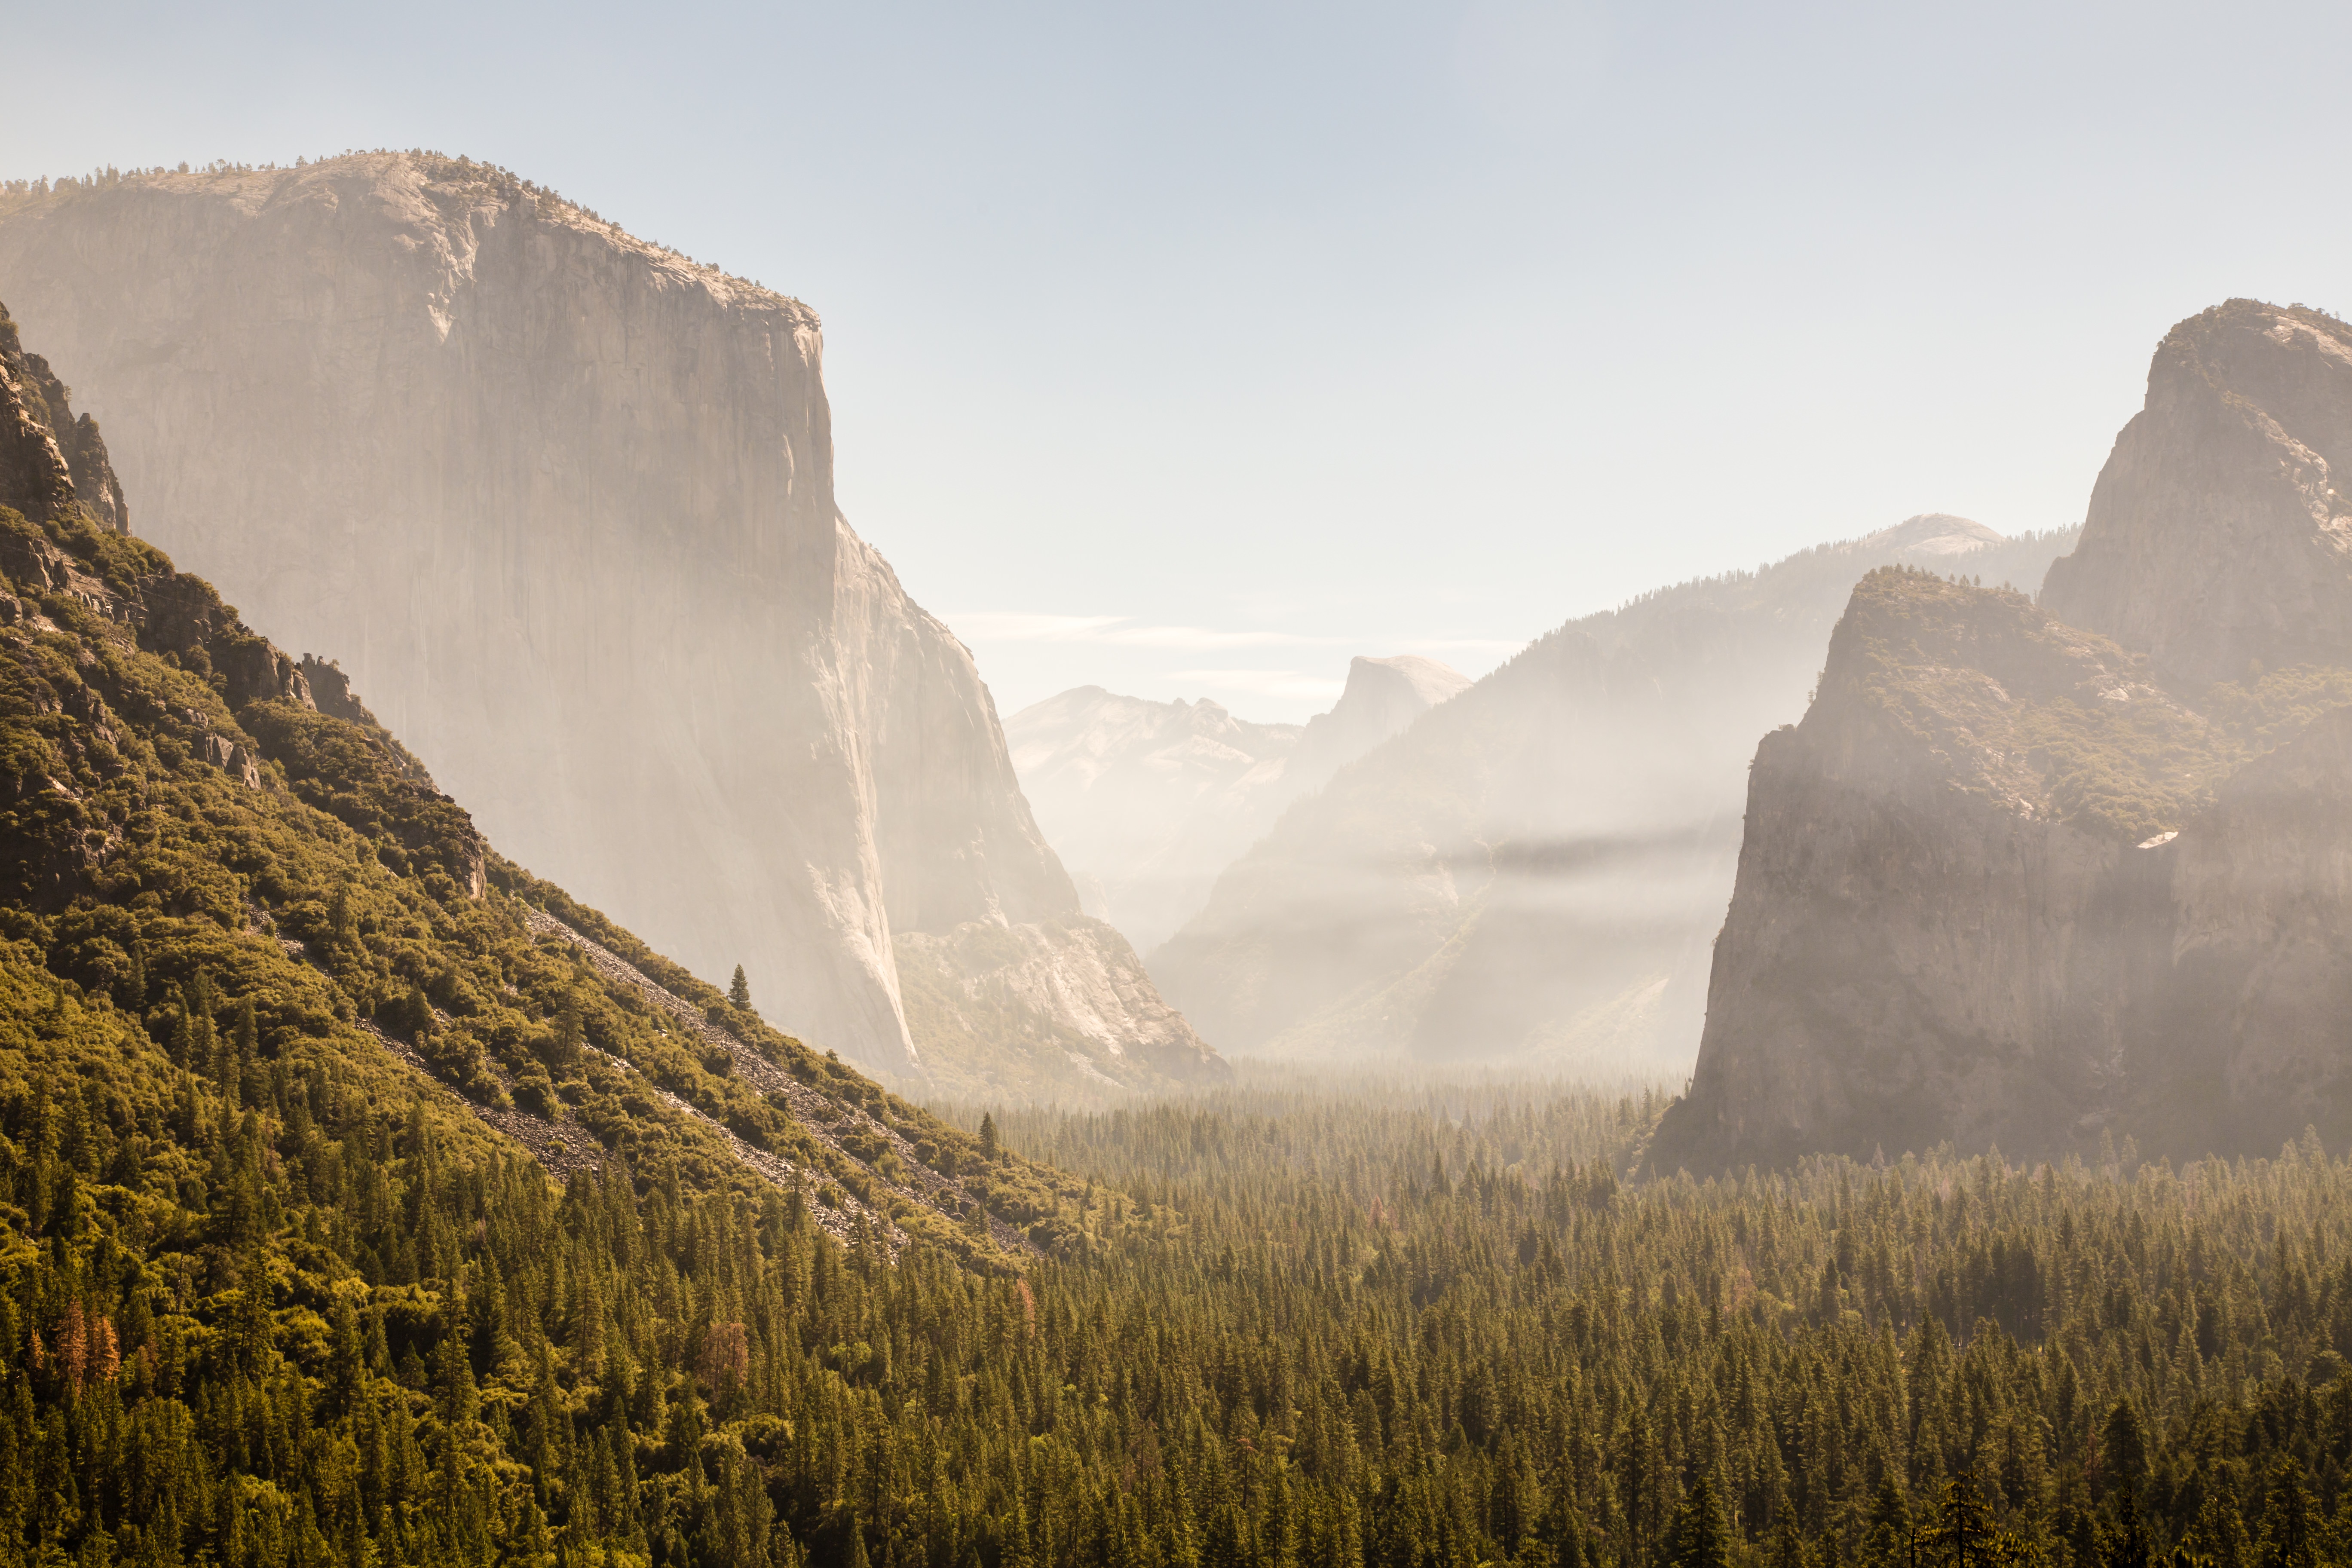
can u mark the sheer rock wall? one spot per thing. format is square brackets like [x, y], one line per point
[560, 502]
[2027, 873]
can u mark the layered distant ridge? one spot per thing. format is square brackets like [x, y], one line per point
[1148, 802]
[1531, 872]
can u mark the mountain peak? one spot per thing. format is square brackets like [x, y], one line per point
[2220, 533]
[1381, 697]
[1427, 680]
[1934, 533]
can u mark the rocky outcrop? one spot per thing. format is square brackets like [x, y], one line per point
[2012, 879]
[49, 459]
[2000, 887]
[1532, 872]
[1914, 950]
[1022, 1009]
[561, 502]
[1148, 802]
[2220, 533]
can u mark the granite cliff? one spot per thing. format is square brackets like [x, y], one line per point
[2021, 881]
[562, 502]
[234, 898]
[49, 460]
[1148, 802]
[2219, 532]
[1530, 872]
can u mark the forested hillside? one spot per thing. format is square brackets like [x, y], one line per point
[288, 1054]
[1285, 1330]
[1434, 1327]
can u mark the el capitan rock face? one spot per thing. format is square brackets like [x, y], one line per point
[2014, 880]
[560, 502]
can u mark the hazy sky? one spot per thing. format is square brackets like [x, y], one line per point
[1189, 349]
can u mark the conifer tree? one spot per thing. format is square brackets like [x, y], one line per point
[1699, 1537]
[2290, 1530]
[248, 1045]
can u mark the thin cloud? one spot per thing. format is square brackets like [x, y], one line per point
[1012, 625]
[1263, 682]
[1491, 646]
[1007, 626]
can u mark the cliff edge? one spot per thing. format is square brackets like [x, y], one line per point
[562, 502]
[2219, 532]
[2026, 872]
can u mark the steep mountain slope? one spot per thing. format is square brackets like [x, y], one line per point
[1148, 802]
[1020, 1016]
[1533, 871]
[562, 502]
[290, 1064]
[219, 878]
[2011, 880]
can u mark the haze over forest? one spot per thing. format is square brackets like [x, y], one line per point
[1485, 786]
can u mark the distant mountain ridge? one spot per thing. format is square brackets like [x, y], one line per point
[1148, 802]
[562, 502]
[2035, 873]
[1533, 873]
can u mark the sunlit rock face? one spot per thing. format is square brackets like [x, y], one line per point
[2219, 534]
[560, 502]
[2027, 874]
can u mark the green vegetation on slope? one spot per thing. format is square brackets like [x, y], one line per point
[267, 1003]
[300, 1325]
[2025, 709]
[336, 888]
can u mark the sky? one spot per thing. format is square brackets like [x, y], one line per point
[1188, 351]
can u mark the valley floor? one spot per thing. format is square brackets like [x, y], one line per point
[1401, 1322]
